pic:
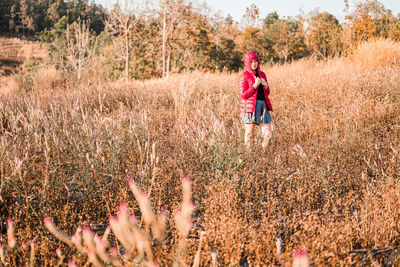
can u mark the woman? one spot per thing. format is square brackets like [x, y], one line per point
[255, 105]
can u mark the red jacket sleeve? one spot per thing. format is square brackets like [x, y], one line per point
[265, 78]
[267, 89]
[245, 90]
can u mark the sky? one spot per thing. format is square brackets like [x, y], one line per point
[236, 8]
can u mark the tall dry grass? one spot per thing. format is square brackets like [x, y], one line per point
[8, 86]
[327, 186]
[377, 54]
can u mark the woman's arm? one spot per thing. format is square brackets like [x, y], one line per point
[245, 90]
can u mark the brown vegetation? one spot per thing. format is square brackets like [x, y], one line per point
[328, 184]
[376, 54]
[15, 49]
[14, 52]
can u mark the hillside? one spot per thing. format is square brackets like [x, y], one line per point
[14, 52]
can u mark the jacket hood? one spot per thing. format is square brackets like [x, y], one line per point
[248, 58]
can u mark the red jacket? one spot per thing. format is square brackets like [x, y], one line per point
[248, 94]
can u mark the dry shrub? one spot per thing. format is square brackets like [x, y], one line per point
[40, 79]
[96, 73]
[47, 78]
[374, 54]
[8, 85]
[182, 90]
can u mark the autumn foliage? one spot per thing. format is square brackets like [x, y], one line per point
[137, 41]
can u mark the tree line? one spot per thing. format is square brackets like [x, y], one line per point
[147, 39]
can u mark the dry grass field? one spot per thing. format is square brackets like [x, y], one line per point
[328, 183]
[14, 52]
[15, 49]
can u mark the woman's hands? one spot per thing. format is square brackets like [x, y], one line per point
[260, 81]
[257, 83]
[264, 83]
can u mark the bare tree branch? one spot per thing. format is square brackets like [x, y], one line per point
[79, 46]
[121, 22]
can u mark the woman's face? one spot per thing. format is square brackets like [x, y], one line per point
[254, 64]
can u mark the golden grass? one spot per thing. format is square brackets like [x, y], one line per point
[47, 79]
[19, 50]
[327, 187]
[377, 54]
[8, 86]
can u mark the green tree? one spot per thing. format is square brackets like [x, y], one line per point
[324, 34]
[29, 17]
[27, 23]
[283, 39]
[227, 55]
[250, 40]
[5, 15]
[198, 45]
[369, 19]
[55, 41]
[268, 52]
[394, 32]
[270, 19]
[148, 51]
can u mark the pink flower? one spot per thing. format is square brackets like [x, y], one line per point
[58, 252]
[123, 207]
[47, 220]
[300, 258]
[143, 194]
[132, 182]
[71, 263]
[186, 179]
[114, 251]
